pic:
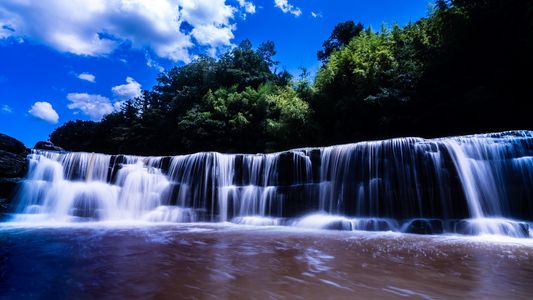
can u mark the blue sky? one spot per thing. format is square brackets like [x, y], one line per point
[78, 59]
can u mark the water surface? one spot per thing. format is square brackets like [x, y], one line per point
[213, 261]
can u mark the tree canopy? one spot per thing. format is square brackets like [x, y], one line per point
[462, 69]
[342, 34]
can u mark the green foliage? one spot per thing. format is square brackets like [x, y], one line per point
[354, 86]
[76, 135]
[456, 71]
[342, 34]
[236, 103]
[249, 120]
[459, 70]
[289, 119]
[366, 61]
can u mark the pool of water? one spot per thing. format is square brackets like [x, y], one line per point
[222, 261]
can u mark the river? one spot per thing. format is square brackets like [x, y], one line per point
[224, 261]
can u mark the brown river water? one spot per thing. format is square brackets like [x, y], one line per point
[204, 261]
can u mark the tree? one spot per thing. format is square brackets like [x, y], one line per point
[209, 104]
[267, 50]
[355, 83]
[75, 136]
[244, 67]
[289, 119]
[342, 34]
[250, 120]
[456, 71]
[473, 79]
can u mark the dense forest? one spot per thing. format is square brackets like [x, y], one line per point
[464, 68]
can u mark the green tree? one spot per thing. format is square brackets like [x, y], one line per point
[342, 34]
[75, 136]
[354, 85]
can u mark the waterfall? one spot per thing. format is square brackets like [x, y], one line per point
[477, 184]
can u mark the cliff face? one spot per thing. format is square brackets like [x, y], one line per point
[13, 168]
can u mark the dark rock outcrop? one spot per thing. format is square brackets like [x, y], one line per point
[12, 145]
[424, 226]
[12, 157]
[8, 188]
[510, 228]
[13, 167]
[46, 145]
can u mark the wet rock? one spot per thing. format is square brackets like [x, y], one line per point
[12, 165]
[339, 225]
[286, 168]
[115, 164]
[165, 164]
[238, 177]
[5, 206]
[375, 225]
[503, 227]
[316, 163]
[12, 157]
[293, 168]
[297, 199]
[8, 188]
[12, 145]
[424, 226]
[85, 207]
[47, 145]
[521, 230]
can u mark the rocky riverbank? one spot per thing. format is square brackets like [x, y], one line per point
[13, 168]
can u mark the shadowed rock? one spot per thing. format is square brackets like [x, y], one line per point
[13, 167]
[12, 157]
[12, 145]
[46, 145]
[423, 226]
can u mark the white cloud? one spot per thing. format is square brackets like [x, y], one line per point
[152, 63]
[44, 111]
[94, 106]
[6, 109]
[316, 14]
[210, 21]
[248, 6]
[87, 77]
[98, 27]
[286, 7]
[212, 36]
[127, 91]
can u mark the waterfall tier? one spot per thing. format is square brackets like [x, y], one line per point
[478, 184]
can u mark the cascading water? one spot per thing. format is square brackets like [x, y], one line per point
[479, 184]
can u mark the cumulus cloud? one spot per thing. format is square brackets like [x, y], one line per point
[210, 21]
[94, 106]
[98, 27]
[151, 63]
[6, 109]
[213, 36]
[130, 89]
[44, 111]
[87, 77]
[286, 7]
[248, 6]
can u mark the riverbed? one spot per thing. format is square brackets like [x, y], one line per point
[223, 261]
